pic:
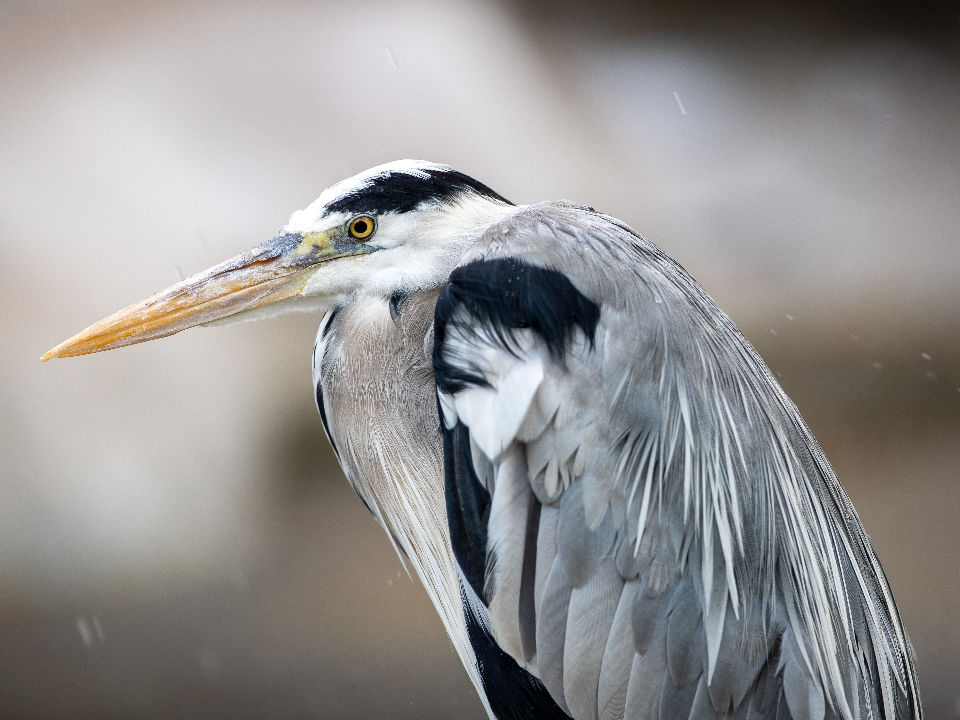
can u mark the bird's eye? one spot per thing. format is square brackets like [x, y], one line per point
[362, 227]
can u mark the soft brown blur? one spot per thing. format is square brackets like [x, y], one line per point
[175, 538]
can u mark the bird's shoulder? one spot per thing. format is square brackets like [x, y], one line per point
[649, 525]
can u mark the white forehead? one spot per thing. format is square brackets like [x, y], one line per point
[309, 217]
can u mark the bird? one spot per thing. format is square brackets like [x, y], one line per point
[615, 508]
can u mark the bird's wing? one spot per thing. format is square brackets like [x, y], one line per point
[641, 518]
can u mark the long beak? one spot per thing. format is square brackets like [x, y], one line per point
[276, 270]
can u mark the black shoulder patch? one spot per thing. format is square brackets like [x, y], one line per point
[513, 693]
[509, 294]
[403, 192]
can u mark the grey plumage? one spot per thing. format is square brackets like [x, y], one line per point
[667, 445]
[552, 617]
[615, 674]
[590, 617]
[393, 458]
[670, 434]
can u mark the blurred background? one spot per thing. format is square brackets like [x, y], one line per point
[176, 540]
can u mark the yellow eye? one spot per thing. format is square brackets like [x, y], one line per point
[362, 227]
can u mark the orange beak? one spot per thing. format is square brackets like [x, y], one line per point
[276, 270]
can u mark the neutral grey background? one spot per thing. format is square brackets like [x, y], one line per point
[175, 538]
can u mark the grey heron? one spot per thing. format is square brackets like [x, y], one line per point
[614, 507]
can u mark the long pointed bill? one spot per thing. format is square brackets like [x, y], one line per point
[276, 270]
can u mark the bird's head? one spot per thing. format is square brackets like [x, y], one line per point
[398, 227]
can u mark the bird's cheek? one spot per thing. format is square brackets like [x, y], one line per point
[345, 276]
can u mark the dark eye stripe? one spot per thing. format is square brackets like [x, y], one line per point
[401, 192]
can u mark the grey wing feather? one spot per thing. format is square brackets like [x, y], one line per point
[506, 545]
[686, 647]
[546, 549]
[618, 657]
[581, 549]
[552, 631]
[589, 619]
[676, 702]
[695, 555]
[647, 674]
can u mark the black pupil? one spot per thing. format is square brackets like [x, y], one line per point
[360, 227]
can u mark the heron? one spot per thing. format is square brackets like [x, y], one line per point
[614, 507]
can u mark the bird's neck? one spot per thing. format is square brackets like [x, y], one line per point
[376, 384]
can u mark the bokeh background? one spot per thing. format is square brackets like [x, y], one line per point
[176, 540]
